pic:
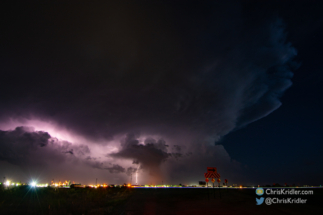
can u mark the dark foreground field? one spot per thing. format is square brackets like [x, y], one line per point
[130, 201]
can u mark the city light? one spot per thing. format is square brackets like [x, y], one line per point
[66, 184]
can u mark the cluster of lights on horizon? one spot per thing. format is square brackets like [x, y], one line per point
[66, 184]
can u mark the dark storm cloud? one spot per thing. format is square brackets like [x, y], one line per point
[148, 155]
[115, 168]
[24, 146]
[206, 70]
[28, 148]
[70, 151]
[135, 162]
[198, 70]
[96, 164]
[177, 152]
[131, 170]
[15, 145]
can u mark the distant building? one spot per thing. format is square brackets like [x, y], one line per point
[77, 186]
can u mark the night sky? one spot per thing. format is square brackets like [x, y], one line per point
[162, 88]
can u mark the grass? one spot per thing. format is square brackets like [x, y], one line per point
[126, 201]
[26, 200]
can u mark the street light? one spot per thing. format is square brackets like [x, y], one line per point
[33, 184]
